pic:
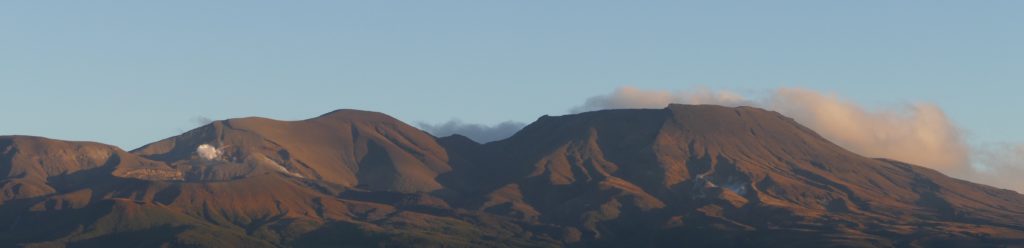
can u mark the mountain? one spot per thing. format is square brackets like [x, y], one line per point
[346, 147]
[685, 175]
[743, 175]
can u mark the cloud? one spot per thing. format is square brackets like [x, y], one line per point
[477, 132]
[208, 152]
[1001, 165]
[918, 133]
[629, 97]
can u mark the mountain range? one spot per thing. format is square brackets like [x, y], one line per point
[682, 176]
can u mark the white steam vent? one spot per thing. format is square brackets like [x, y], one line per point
[208, 152]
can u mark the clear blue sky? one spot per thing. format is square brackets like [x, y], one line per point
[130, 72]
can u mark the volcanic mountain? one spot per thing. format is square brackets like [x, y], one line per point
[685, 175]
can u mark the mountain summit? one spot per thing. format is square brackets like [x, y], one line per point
[687, 174]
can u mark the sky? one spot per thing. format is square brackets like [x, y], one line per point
[131, 72]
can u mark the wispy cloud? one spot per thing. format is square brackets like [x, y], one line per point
[1000, 165]
[201, 120]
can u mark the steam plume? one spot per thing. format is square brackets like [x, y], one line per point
[208, 152]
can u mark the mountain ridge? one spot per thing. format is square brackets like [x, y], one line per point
[702, 174]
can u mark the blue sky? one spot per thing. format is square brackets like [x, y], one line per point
[131, 72]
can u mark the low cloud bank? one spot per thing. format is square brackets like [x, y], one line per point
[628, 97]
[918, 133]
[477, 132]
